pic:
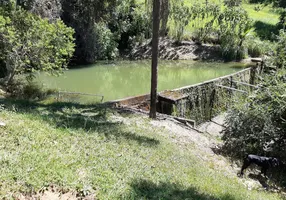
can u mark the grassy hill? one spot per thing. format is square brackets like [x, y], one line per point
[264, 19]
[96, 151]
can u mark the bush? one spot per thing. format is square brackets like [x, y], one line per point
[105, 47]
[230, 49]
[130, 25]
[29, 90]
[180, 15]
[257, 124]
[226, 25]
[50, 9]
[203, 18]
[280, 54]
[232, 3]
[234, 26]
[29, 43]
[255, 47]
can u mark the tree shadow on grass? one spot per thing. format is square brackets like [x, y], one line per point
[262, 180]
[144, 189]
[266, 31]
[90, 118]
[275, 181]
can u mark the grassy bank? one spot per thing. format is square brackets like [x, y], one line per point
[95, 150]
[264, 20]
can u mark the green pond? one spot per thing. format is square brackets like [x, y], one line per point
[129, 78]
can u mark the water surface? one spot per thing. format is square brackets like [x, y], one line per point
[129, 78]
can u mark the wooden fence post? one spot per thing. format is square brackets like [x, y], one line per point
[252, 75]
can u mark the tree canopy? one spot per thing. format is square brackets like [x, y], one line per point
[29, 43]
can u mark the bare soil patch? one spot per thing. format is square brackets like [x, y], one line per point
[170, 50]
[204, 142]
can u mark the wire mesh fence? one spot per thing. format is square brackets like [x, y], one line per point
[78, 97]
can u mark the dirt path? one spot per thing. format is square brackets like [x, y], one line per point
[206, 141]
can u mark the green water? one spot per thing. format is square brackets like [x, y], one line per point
[129, 78]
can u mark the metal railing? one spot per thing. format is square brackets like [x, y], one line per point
[60, 93]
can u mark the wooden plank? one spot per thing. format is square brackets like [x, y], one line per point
[188, 122]
[256, 60]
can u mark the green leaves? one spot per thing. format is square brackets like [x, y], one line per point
[181, 15]
[280, 54]
[257, 124]
[31, 43]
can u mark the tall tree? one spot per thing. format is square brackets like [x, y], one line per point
[155, 42]
[164, 13]
[85, 17]
[164, 16]
[29, 43]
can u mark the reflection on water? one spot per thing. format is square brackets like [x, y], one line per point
[129, 78]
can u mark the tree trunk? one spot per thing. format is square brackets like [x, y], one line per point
[164, 15]
[155, 42]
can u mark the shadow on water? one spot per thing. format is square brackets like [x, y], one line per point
[88, 65]
[144, 189]
[90, 118]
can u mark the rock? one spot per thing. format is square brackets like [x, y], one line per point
[2, 92]
[170, 50]
[2, 124]
[187, 43]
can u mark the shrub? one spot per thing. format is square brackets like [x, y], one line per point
[130, 25]
[232, 3]
[204, 17]
[234, 26]
[105, 46]
[230, 49]
[257, 124]
[180, 15]
[226, 25]
[22, 89]
[280, 54]
[29, 43]
[255, 47]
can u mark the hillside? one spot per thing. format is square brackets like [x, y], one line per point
[264, 19]
[93, 152]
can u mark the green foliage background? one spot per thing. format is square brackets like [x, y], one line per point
[29, 43]
[257, 124]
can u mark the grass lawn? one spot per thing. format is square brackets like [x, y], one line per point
[264, 19]
[95, 150]
[266, 14]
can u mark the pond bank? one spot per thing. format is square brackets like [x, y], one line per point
[186, 50]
